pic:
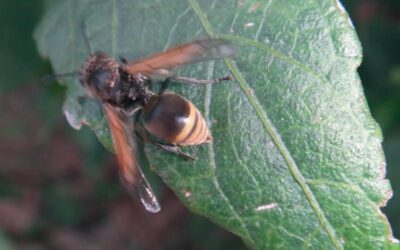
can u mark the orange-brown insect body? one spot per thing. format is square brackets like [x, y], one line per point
[175, 120]
[124, 89]
[168, 116]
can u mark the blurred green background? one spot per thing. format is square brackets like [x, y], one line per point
[59, 188]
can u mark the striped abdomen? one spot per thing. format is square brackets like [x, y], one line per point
[175, 120]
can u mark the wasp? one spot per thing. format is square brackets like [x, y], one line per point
[124, 89]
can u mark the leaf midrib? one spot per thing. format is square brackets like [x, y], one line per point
[270, 129]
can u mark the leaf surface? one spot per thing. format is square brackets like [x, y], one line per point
[296, 160]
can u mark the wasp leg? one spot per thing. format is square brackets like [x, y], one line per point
[173, 149]
[142, 135]
[167, 147]
[194, 81]
[190, 81]
[164, 85]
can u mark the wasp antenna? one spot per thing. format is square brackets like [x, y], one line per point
[86, 38]
[49, 78]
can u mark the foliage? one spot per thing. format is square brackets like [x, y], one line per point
[296, 158]
[59, 188]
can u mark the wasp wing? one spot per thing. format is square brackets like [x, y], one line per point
[130, 172]
[200, 50]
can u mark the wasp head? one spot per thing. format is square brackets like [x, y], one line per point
[100, 75]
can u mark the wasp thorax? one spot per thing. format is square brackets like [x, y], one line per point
[100, 74]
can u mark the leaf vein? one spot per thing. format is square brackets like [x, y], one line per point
[270, 129]
[72, 32]
[292, 166]
[277, 54]
[307, 242]
[264, 15]
[211, 157]
[114, 24]
[235, 150]
[284, 230]
[172, 30]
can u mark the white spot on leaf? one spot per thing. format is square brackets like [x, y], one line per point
[249, 25]
[266, 207]
[187, 194]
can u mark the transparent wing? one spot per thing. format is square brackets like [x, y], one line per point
[200, 50]
[130, 172]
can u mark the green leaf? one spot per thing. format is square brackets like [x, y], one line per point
[296, 160]
[5, 243]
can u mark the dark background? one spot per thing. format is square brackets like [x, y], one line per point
[59, 188]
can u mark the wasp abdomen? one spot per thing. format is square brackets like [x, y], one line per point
[175, 120]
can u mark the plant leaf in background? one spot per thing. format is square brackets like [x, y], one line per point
[4, 242]
[296, 159]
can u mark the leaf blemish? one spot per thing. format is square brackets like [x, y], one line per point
[266, 207]
[187, 194]
[249, 25]
[250, 91]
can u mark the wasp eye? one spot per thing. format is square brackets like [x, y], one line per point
[102, 79]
